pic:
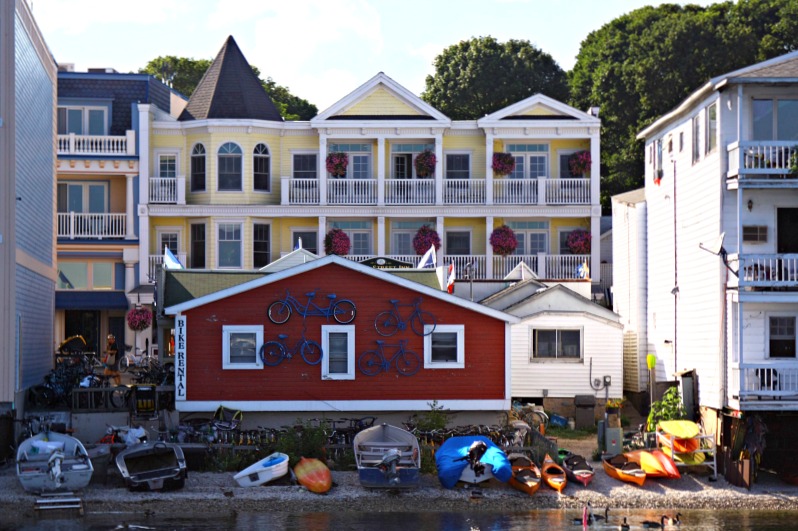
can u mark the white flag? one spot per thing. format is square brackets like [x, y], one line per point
[170, 261]
[428, 259]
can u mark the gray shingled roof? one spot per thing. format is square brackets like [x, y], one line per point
[230, 89]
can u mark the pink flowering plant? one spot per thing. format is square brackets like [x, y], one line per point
[337, 163]
[579, 163]
[337, 242]
[503, 241]
[578, 242]
[503, 164]
[424, 238]
[139, 319]
[425, 163]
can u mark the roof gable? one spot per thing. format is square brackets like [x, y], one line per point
[538, 107]
[294, 258]
[559, 299]
[229, 89]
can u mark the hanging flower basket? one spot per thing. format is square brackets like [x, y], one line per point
[337, 242]
[139, 319]
[337, 163]
[579, 163]
[503, 164]
[424, 238]
[578, 242]
[425, 163]
[503, 241]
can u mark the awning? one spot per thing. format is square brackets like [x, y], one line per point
[90, 300]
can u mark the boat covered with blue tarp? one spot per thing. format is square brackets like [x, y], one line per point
[471, 458]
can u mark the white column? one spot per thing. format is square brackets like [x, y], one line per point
[130, 207]
[488, 248]
[488, 170]
[144, 196]
[381, 236]
[595, 247]
[439, 170]
[595, 170]
[322, 234]
[439, 228]
[322, 170]
[381, 171]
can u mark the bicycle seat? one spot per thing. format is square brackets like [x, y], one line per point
[311, 294]
[331, 296]
[282, 336]
[393, 301]
[379, 342]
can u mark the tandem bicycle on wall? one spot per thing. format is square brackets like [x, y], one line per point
[342, 310]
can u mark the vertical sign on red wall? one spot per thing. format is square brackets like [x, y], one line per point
[180, 357]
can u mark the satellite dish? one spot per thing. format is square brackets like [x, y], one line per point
[717, 247]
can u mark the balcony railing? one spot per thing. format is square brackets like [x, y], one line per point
[93, 226]
[351, 192]
[409, 191]
[156, 262]
[761, 159]
[516, 191]
[768, 270]
[73, 144]
[760, 381]
[464, 191]
[168, 190]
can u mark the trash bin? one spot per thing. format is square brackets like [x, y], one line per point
[585, 411]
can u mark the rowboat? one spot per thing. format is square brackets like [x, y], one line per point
[314, 475]
[387, 457]
[51, 462]
[578, 469]
[471, 459]
[621, 468]
[553, 474]
[680, 435]
[526, 475]
[267, 469]
[153, 465]
[655, 463]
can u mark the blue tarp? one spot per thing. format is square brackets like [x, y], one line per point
[450, 462]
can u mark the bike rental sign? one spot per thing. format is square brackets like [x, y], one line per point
[180, 357]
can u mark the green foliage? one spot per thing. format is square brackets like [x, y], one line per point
[669, 408]
[227, 459]
[428, 460]
[304, 440]
[434, 419]
[482, 75]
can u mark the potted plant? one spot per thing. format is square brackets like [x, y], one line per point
[425, 163]
[424, 239]
[337, 242]
[503, 164]
[578, 242]
[503, 241]
[579, 163]
[614, 405]
[139, 319]
[337, 163]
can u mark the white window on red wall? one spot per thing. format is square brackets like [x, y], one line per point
[241, 346]
[338, 352]
[444, 347]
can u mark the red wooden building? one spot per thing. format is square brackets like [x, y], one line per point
[464, 363]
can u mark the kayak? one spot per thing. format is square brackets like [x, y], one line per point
[655, 463]
[314, 475]
[553, 474]
[526, 475]
[622, 469]
[679, 435]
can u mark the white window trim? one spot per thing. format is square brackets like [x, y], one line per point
[271, 169]
[458, 229]
[293, 152]
[176, 153]
[569, 152]
[460, 331]
[294, 230]
[534, 359]
[244, 166]
[84, 118]
[229, 329]
[168, 230]
[560, 231]
[768, 316]
[468, 152]
[240, 223]
[326, 330]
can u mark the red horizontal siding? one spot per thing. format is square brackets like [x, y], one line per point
[482, 378]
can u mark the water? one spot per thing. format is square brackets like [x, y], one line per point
[551, 519]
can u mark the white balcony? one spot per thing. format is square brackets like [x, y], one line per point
[351, 192]
[168, 190]
[762, 160]
[767, 270]
[409, 191]
[464, 191]
[75, 225]
[765, 385]
[517, 191]
[107, 145]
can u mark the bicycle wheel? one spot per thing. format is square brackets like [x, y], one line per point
[272, 353]
[386, 323]
[370, 363]
[344, 311]
[311, 352]
[124, 364]
[422, 319]
[408, 363]
[120, 396]
[279, 312]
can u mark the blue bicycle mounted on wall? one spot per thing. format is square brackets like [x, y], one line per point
[272, 353]
[390, 321]
[342, 310]
[373, 362]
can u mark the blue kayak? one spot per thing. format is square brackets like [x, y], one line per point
[452, 459]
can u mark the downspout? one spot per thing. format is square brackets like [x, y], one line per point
[675, 290]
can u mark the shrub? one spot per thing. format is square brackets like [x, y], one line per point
[669, 408]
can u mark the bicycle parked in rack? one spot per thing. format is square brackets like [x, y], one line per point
[342, 310]
[372, 362]
[272, 353]
[390, 321]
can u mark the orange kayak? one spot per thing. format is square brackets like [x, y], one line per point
[679, 434]
[553, 474]
[621, 468]
[655, 463]
[313, 475]
[526, 475]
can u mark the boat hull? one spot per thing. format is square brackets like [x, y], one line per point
[553, 474]
[451, 461]
[577, 469]
[655, 463]
[53, 462]
[526, 475]
[153, 466]
[622, 469]
[267, 469]
[314, 475]
[680, 435]
[387, 457]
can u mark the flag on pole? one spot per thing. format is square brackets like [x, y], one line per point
[428, 259]
[450, 282]
[170, 261]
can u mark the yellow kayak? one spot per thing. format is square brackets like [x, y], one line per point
[680, 434]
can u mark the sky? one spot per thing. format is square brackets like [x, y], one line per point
[320, 49]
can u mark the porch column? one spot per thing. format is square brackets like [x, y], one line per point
[381, 236]
[381, 171]
[488, 169]
[488, 247]
[595, 169]
[595, 250]
[130, 208]
[439, 227]
[322, 233]
[439, 170]
[322, 171]
[144, 245]
[144, 195]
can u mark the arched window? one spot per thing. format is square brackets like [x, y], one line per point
[230, 167]
[198, 168]
[261, 180]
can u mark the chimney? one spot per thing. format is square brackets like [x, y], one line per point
[66, 67]
[594, 111]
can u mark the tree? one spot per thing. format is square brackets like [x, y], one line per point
[480, 76]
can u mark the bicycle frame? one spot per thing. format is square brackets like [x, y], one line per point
[389, 322]
[342, 310]
[372, 362]
[272, 353]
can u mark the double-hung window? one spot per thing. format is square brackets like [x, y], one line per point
[198, 245]
[306, 239]
[458, 243]
[261, 180]
[261, 250]
[711, 128]
[229, 245]
[229, 167]
[82, 120]
[359, 233]
[305, 166]
[241, 346]
[781, 336]
[532, 237]
[198, 168]
[402, 234]
[531, 161]
[338, 346]
[458, 165]
[444, 347]
[556, 344]
[167, 166]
